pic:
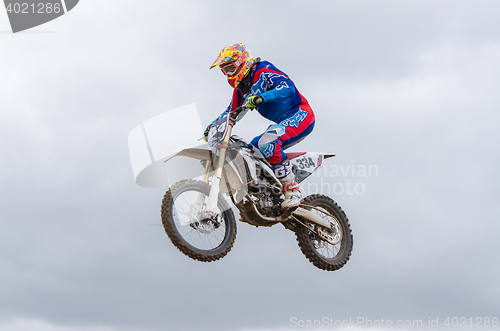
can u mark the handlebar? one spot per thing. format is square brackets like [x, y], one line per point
[234, 114]
[241, 108]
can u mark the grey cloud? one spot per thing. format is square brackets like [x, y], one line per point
[407, 86]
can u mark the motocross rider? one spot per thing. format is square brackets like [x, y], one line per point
[273, 94]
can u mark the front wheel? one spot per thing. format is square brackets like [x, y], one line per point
[325, 255]
[201, 239]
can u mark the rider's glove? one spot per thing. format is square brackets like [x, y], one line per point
[205, 134]
[253, 101]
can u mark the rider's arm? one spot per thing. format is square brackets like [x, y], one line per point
[236, 101]
[282, 87]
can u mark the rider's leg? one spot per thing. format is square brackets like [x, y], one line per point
[281, 136]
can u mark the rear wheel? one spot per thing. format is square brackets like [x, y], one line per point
[323, 254]
[202, 239]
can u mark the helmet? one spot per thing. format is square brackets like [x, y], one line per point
[235, 61]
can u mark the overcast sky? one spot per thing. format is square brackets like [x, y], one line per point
[408, 87]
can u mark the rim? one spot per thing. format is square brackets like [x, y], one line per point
[204, 235]
[324, 248]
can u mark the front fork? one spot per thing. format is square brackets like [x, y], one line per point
[214, 189]
[206, 175]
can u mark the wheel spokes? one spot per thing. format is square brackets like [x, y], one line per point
[323, 247]
[201, 234]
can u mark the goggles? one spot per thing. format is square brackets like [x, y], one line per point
[229, 69]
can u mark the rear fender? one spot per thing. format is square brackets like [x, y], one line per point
[305, 164]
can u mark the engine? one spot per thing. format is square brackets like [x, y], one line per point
[268, 196]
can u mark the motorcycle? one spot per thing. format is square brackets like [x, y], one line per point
[197, 214]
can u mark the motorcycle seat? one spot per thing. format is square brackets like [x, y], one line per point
[294, 155]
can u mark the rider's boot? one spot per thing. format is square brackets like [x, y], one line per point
[283, 172]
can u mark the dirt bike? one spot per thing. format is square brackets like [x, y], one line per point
[197, 214]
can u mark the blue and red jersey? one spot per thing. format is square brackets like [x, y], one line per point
[282, 103]
[280, 96]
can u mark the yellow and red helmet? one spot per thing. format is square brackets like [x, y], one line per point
[234, 61]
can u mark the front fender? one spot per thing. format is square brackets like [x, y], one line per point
[195, 153]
